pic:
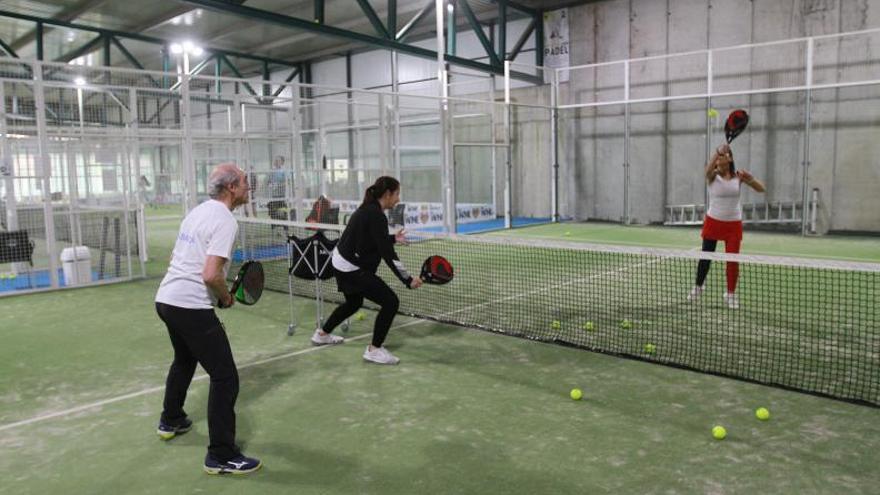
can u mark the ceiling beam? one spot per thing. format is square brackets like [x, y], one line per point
[68, 14]
[265, 16]
[139, 37]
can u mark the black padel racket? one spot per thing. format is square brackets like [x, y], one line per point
[248, 284]
[436, 270]
[735, 124]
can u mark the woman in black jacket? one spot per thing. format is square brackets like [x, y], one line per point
[363, 244]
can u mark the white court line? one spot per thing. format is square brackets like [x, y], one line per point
[199, 377]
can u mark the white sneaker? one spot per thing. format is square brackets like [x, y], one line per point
[380, 355]
[696, 292]
[326, 339]
[731, 301]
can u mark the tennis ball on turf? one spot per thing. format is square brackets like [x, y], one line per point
[762, 413]
[12, 276]
[712, 113]
[625, 323]
[567, 232]
[719, 433]
[650, 348]
[588, 326]
[555, 325]
[360, 316]
[576, 394]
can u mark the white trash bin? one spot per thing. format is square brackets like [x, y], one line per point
[76, 263]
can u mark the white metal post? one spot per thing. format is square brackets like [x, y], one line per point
[395, 115]
[296, 156]
[492, 108]
[45, 170]
[384, 139]
[450, 212]
[554, 148]
[187, 163]
[708, 122]
[807, 128]
[141, 192]
[626, 137]
[507, 130]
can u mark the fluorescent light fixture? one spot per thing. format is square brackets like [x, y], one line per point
[197, 51]
[79, 81]
[176, 48]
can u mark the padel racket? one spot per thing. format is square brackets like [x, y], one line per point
[248, 284]
[736, 122]
[436, 270]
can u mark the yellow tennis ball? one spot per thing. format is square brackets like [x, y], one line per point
[762, 413]
[567, 232]
[576, 394]
[650, 348]
[360, 316]
[625, 323]
[13, 276]
[712, 113]
[719, 433]
[588, 326]
[555, 325]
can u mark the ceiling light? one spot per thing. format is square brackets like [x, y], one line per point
[197, 51]
[176, 48]
[79, 81]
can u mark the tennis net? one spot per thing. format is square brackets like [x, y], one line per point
[808, 325]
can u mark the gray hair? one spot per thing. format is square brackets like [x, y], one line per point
[222, 177]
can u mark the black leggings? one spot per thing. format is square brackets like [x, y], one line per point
[198, 337]
[732, 266]
[359, 285]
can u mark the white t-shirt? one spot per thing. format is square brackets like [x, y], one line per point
[724, 199]
[209, 229]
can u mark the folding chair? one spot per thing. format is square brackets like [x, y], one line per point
[309, 259]
[15, 247]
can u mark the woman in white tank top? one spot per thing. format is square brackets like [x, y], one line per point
[723, 220]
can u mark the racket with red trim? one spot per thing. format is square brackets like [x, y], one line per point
[736, 122]
[437, 270]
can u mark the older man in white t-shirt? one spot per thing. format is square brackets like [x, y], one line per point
[194, 284]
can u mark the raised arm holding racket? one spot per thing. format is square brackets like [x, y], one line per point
[723, 220]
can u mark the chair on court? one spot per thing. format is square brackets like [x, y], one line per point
[15, 247]
[309, 259]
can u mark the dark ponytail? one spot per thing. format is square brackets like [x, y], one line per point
[379, 188]
[732, 166]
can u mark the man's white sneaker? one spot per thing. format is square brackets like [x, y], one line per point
[731, 301]
[319, 338]
[380, 355]
[695, 293]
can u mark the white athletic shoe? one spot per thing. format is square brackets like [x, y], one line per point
[695, 293]
[326, 339]
[380, 355]
[731, 301]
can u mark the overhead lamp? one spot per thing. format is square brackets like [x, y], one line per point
[176, 48]
[79, 81]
